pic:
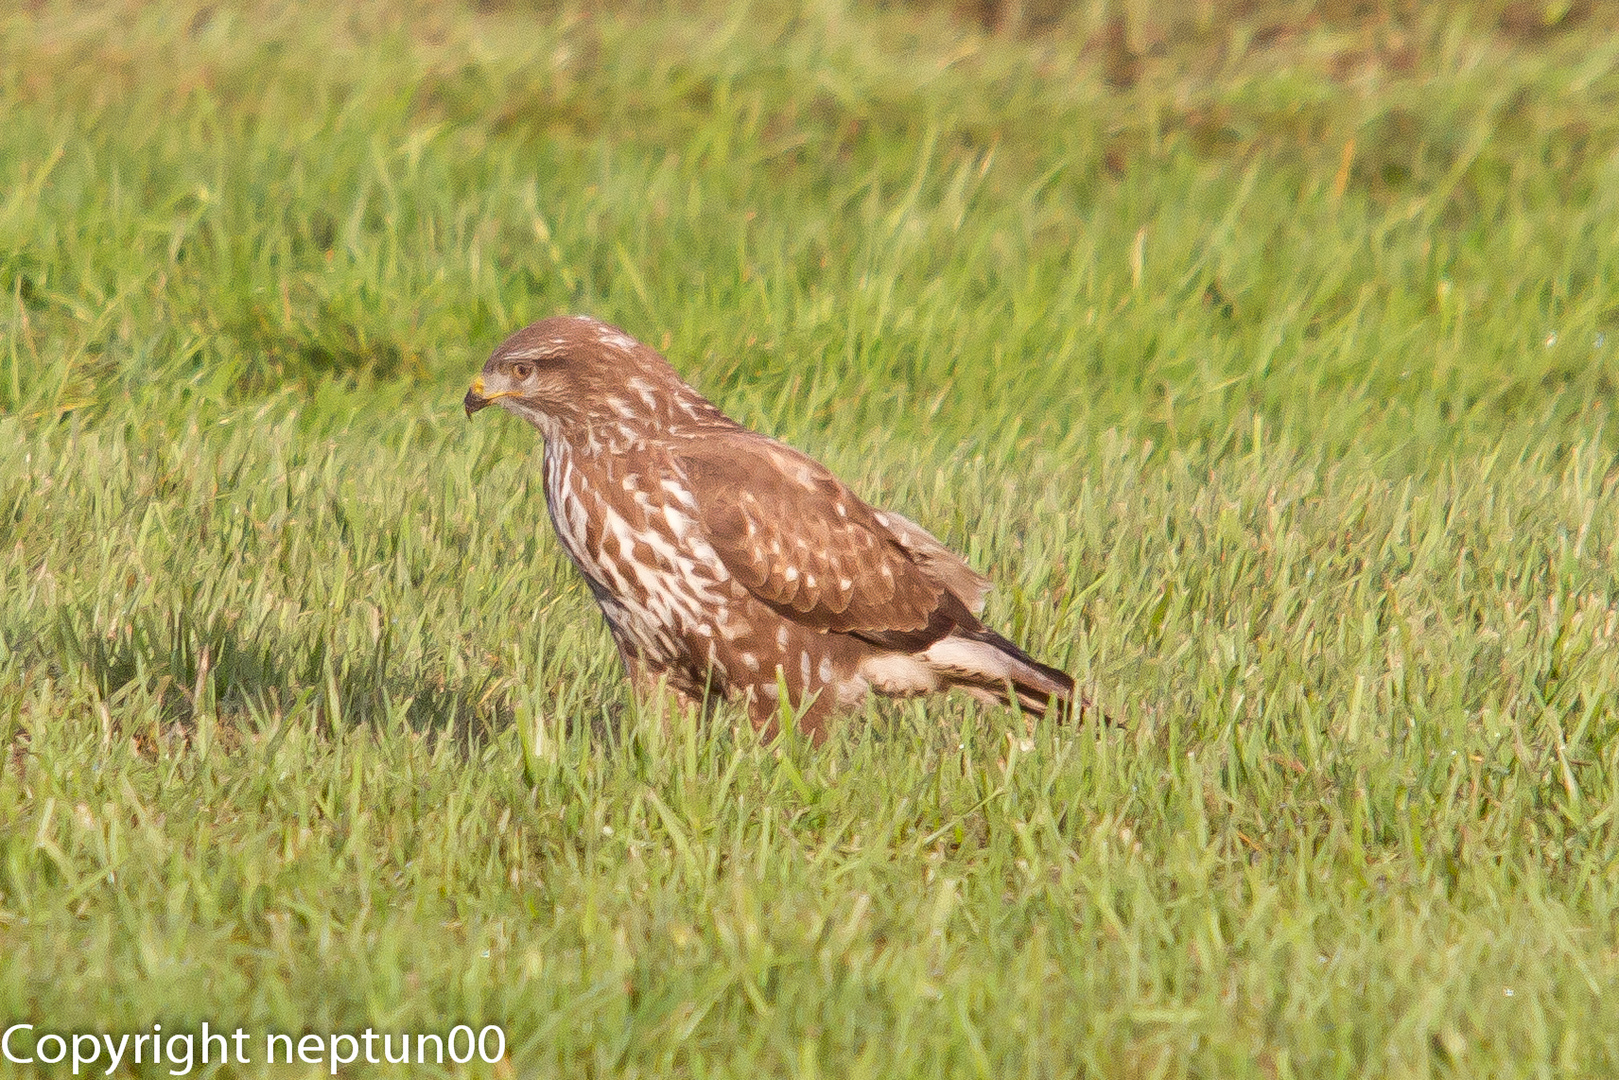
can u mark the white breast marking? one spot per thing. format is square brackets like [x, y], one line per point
[652, 602]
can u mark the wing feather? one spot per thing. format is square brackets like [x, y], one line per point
[938, 561]
[801, 542]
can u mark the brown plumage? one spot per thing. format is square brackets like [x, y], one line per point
[728, 563]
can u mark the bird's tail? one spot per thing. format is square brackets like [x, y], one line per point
[991, 668]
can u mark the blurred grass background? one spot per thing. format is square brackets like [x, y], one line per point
[1262, 352]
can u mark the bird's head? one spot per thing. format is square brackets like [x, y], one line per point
[570, 372]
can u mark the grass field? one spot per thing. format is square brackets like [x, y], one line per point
[1263, 353]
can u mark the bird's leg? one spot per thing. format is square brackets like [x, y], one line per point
[655, 688]
[814, 716]
[765, 711]
[762, 712]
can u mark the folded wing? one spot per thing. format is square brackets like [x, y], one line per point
[804, 544]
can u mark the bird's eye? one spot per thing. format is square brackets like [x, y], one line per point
[521, 372]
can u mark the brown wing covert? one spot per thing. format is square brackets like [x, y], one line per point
[806, 545]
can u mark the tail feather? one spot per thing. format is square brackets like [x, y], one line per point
[988, 665]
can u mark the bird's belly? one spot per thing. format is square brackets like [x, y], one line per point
[638, 632]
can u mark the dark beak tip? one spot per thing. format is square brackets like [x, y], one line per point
[472, 403]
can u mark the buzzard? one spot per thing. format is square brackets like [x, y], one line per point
[729, 564]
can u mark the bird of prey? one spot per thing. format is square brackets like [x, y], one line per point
[729, 564]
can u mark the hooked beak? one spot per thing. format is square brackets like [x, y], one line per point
[475, 398]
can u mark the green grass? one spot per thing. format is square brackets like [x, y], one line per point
[1271, 381]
